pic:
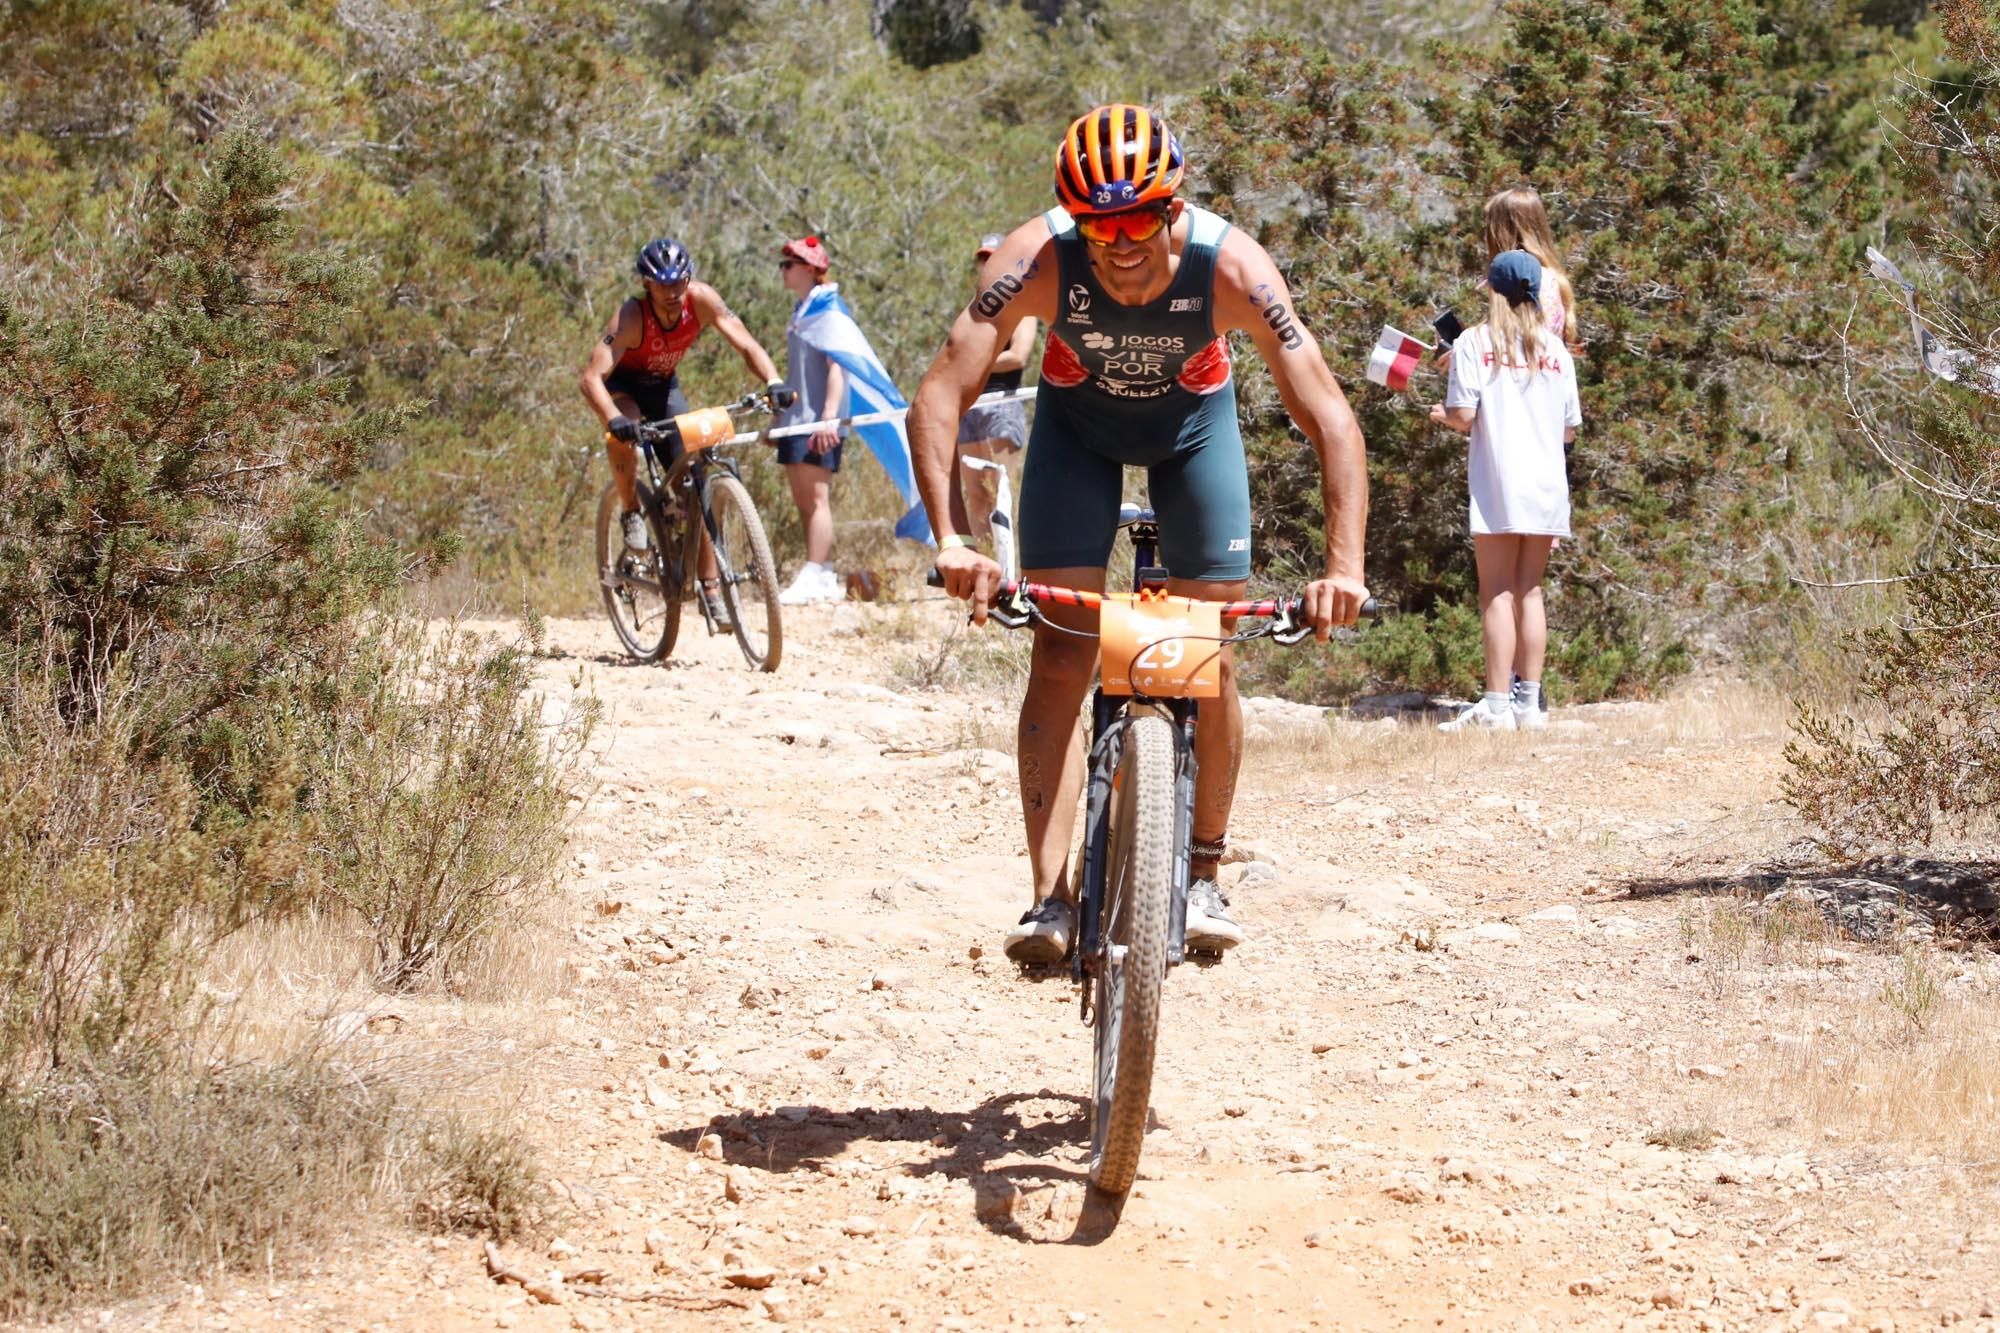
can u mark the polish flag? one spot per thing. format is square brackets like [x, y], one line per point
[1395, 356]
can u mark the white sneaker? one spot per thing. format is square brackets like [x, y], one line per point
[1485, 715]
[832, 587]
[1209, 928]
[1529, 716]
[804, 587]
[634, 525]
[1044, 933]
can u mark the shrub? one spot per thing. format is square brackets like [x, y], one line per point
[122, 1173]
[117, 886]
[445, 806]
[1927, 760]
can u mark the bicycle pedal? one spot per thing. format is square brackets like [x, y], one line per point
[1039, 972]
[1204, 957]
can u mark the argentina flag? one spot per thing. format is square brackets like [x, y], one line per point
[825, 324]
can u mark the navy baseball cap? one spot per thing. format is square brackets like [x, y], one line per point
[1516, 275]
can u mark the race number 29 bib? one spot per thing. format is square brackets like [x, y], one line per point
[1162, 647]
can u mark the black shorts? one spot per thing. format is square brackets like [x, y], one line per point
[656, 398]
[798, 449]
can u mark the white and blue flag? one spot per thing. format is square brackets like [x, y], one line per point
[825, 324]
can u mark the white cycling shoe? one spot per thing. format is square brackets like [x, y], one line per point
[1044, 933]
[1209, 929]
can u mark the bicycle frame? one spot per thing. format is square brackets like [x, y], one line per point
[688, 472]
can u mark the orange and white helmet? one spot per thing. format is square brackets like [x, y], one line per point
[1117, 157]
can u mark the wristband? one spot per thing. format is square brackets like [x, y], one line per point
[953, 541]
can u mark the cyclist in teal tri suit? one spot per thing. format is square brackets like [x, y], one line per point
[1140, 291]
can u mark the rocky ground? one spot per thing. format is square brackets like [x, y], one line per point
[1516, 1041]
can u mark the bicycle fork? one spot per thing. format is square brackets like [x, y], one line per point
[1110, 721]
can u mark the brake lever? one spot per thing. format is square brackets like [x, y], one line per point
[1287, 627]
[1013, 611]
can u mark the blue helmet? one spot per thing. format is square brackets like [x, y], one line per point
[664, 261]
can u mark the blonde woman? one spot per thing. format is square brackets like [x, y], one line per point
[1516, 220]
[1513, 390]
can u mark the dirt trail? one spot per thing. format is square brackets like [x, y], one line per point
[1420, 1096]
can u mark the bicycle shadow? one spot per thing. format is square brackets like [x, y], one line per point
[812, 1137]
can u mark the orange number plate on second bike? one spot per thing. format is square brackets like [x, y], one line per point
[705, 428]
[1164, 647]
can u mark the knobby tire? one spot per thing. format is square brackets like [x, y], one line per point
[645, 621]
[1138, 900]
[750, 577]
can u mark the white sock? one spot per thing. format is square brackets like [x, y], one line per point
[1528, 693]
[1496, 701]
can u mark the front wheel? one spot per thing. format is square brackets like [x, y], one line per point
[749, 578]
[645, 611]
[1132, 969]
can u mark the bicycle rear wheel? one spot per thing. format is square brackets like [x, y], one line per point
[1138, 900]
[644, 610]
[749, 581]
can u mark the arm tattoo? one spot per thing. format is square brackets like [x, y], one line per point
[989, 303]
[610, 339]
[1280, 320]
[1265, 298]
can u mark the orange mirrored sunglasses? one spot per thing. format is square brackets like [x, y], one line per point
[1137, 225]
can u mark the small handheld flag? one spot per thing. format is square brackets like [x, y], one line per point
[1395, 357]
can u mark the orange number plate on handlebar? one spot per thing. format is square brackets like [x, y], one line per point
[704, 429]
[1164, 647]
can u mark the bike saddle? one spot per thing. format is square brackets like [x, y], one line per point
[1128, 514]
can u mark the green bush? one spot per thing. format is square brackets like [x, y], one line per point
[191, 690]
[1920, 756]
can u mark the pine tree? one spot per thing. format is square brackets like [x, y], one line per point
[1705, 227]
[169, 465]
[1928, 762]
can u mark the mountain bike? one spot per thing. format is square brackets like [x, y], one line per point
[688, 493]
[1159, 656]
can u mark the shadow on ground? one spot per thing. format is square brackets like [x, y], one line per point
[1051, 1127]
[1879, 899]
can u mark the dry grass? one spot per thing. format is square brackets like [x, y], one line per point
[448, 810]
[938, 651]
[195, 1074]
[1906, 1053]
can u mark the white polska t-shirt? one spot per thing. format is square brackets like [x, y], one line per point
[1516, 465]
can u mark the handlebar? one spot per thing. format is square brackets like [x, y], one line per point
[1016, 604]
[667, 431]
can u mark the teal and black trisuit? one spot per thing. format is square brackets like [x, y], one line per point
[1141, 386]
